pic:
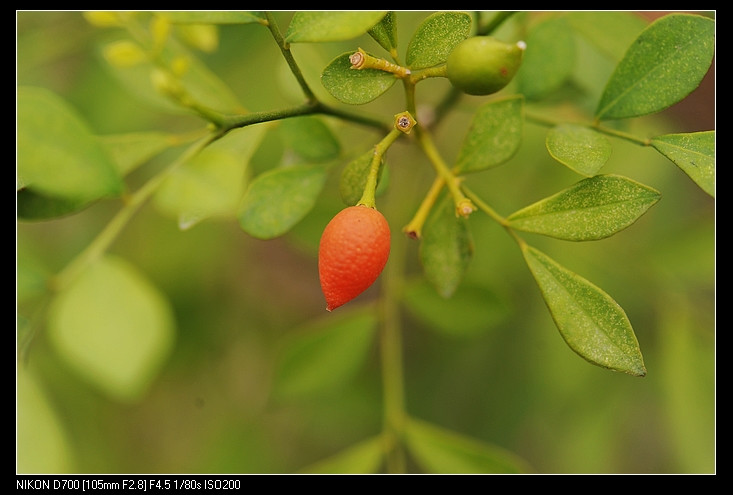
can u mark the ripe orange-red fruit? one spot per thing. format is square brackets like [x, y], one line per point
[353, 251]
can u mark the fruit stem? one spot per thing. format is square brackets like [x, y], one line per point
[370, 189]
[414, 228]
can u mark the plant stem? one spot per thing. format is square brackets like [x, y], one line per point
[493, 214]
[370, 189]
[497, 21]
[285, 49]
[550, 122]
[414, 228]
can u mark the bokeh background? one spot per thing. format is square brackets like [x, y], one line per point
[509, 379]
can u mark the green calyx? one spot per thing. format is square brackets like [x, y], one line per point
[482, 65]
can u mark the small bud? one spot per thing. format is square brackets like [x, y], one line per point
[464, 208]
[404, 122]
[123, 53]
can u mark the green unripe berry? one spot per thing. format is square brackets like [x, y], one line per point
[482, 65]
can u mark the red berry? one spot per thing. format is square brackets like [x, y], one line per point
[353, 251]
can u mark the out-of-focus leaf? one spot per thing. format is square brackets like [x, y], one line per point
[278, 199]
[314, 26]
[441, 451]
[323, 356]
[58, 156]
[591, 209]
[362, 458]
[579, 148]
[212, 17]
[494, 136]
[446, 248]
[310, 138]
[590, 321]
[113, 328]
[548, 60]
[436, 37]
[664, 65]
[694, 153]
[470, 311]
[354, 86]
[610, 31]
[34, 206]
[354, 176]
[131, 150]
[210, 184]
[385, 32]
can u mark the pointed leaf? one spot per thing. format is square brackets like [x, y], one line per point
[131, 150]
[324, 356]
[589, 320]
[579, 148]
[354, 86]
[313, 26]
[664, 65]
[354, 178]
[113, 328]
[278, 199]
[494, 136]
[436, 37]
[310, 138]
[694, 153]
[446, 248]
[57, 154]
[591, 209]
[548, 60]
[212, 17]
[385, 32]
[441, 451]
[210, 184]
[362, 458]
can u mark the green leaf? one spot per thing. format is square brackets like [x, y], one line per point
[278, 199]
[58, 156]
[579, 148]
[310, 138]
[664, 65]
[313, 26]
[591, 209]
[494, 136]
[362, 458]
[470, 311]
[446, 248]
[385, 32]
[436, 37]
[354, 176]
[210, 184]
[441, 451]
[113, 327]
[34, 206]
[131, 150]
[212, 17]
[548, 60]
[324, 356]
[589, 320]
[42, 442]
[694, 153]
[354, 86]
[612, 32]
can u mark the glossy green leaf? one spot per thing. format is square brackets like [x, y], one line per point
[470, 311]
[694, 153]
[446, 248]
[131, 150]
[316, 26]
[278, 199]
[42, 443]
[579, 148]
[354, 176]
[590, 321]
[591, 209]
[354, 86]
[494, 135]
[210, 184]
[212, 17]
[362, 458]
[612, 32]
[58, 156]
[310, 138]
[665, 64]
[113, 328]
[436, 37]
[385, 32]
[323, 356]
[548, 60]
[31, 205]
[441, 451]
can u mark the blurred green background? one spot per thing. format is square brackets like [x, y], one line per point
[507, 378]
